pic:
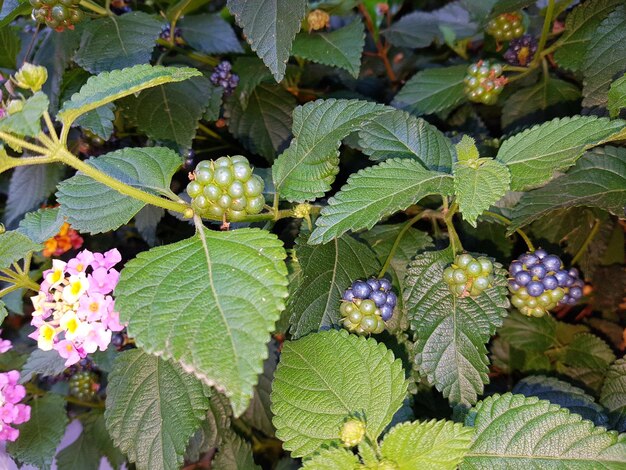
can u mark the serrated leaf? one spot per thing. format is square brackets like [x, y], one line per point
[563, 394]
[617, 96]
[606, 57]
[580, 26]
[27, 122]
[436, 445]
[9, 47]
[212, 430]
[41, 225]
[146, 389]
[222, 332]
[40, 436]
[597, 180]
[93, 207]
[332, 459]
[308, 167]
[99, 121]
[477, 189]
[42, 363]
[432, 90]
[110, 86]
[533, 156]
[270, 27]
[398, 134]
[264, 125]
[252, 72]
[115, 42]
[210, 34]
[325, 377]
[340, 48]
[376, 192]
[538, 435]
[327, 271]
[234, 454]
[532, 334]
[613, 396]
[452, 332]
[466, 150]
[14, 246]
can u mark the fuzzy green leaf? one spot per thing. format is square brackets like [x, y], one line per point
[432, 90]
[235, 454]
[617, 96]
[533, 156]
[376, 192]
[147, 389]
[333, 459]
[398, 134]
[452, 332]
[270, 27]
[340, 48]
[42, 363]
[308, 167]
[213, 430]
[436, 445]
[613, 396]
[11, 9]
[513, 431]
[9, 47]
[324, 378]
[14, 246]
[209, 34]
[27, 122]
[41, 225]
[93, 207]
[531, 334]
[326, 272]
[221, 333]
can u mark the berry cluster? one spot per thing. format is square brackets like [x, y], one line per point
[177, 38]
[521, 51]
[84, 385]
[484, 82]
[538, 283]
[352, 432]
[506, 26]
[57, 14]
[469, 276]
[318, 19]
[368, 305]
[226, 189]
[223, 76]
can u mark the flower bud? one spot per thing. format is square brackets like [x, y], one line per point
[352, 432]
[31, 77]
[318, 19]
[14, 106]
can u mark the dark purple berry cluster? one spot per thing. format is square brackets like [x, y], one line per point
[521, 51]
[166, 34]
[223, 76]
[538, 283]
[367, 305]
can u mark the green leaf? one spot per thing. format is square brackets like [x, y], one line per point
[436, 445]
[325, 377]
[27, 121]
[327, 271]
[477, 189]
[110, 86]
[538, 434]
[230, 326]
[209, 34]
[613, 396]
[466, 150]
[365, 199]
[270, 27]
[340, 48]
[40, 436]
[617, 96]
[235, 454]
[93, 207]
[597, 180]
[14, 246]
[99, 121]
[153, 407]
[332, 459]
[264, 125]
[605, 59]
[397, 134]
[42, 363]
[9, 47]
[146, 222]
[183, 7]
[580, 27]
[115, 42]
[533, 156]
[452, 332]
[11, 9]
[531, 334]
[505, 6]
[3, 312]
[308, 167]
[212, 430]
[41, 225]
[432, 90]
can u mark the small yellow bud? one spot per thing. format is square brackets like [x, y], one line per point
[352, 432]
[31, 77]
[302, 210]
[188, 214]
[318, 19]
[14, 106]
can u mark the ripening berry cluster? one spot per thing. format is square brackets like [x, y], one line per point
[367, 305]
[84, 385]
[224, 77]
[521, 51]
[226, 188]
[166, 34]
[469, 276]
[57, 14]
[484, 82]
[506, 26]
[538, 283]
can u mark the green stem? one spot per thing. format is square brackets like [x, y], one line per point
[10, 139]
[94, 7]
[588, 240]
[397, 241]
[519, 231]
[50, 125]
[32, 389]
[205, 59]
[8, 290]
[455, 241]
[209, 132]
[513, 68]
[545, 31]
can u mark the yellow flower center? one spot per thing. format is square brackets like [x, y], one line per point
[94, 306]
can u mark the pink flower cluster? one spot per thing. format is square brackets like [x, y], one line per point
[11, 410]
[74, 311]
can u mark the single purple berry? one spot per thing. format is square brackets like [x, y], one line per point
[514, 286]
[563, 277]
[385, 284]
[379, 298]
[386, 312]
[529, 259]
[550, 282]
[515, 267]
[392, 299]
[573, 272]
[538, 271]
[523, 278]
[348, 295]
[575, 292]
[541, 253]
[534, 288]
[361, 290]
[373, 283]
[552, 263]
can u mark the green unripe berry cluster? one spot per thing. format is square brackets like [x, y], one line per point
[362, 317]
[469, 276]
[226, 188]
[506, 26]
[484, 82]
[536, 306]
[57, 14]
[84, 385]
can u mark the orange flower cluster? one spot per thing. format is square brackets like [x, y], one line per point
[65, 240]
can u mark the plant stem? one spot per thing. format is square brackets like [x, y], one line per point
[94, 7]
[381, 51]
[205, 59]
[519, 231]
[10, 139]
[588, 240]
[397, 241]
[455, 242]
[36, 391]
[544, 32]
[51, 130]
